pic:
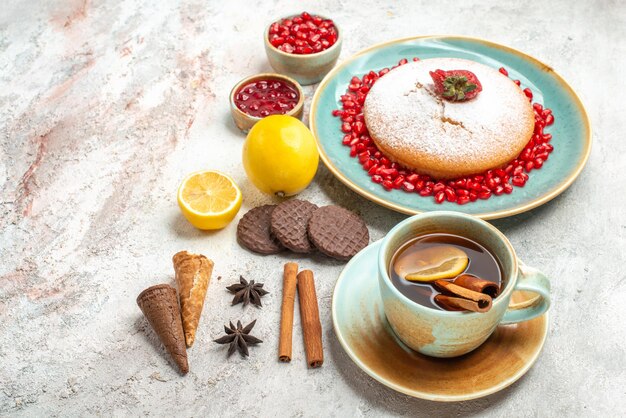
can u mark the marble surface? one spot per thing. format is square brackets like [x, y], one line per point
[106, 105]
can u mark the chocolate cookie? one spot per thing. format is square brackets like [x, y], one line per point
[289, 224]
[254, 232]
[338, 232]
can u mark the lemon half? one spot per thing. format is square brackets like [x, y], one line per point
[433, 263]
[209, 199]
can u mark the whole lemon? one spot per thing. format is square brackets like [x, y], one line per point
[280, 155]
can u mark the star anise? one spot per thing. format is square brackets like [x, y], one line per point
[247, 292]
[238, 337]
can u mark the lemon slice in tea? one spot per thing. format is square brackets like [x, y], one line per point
[432, 263]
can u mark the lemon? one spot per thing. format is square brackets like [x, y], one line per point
[280, 155]
[432, 263]
[209, 199]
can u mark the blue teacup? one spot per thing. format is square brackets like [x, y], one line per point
[440, 333]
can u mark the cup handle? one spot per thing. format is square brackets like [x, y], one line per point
[532, 280]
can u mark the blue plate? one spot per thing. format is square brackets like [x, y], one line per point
[571, 131]
[366, 336]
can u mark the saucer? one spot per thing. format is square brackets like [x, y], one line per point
[364, 333]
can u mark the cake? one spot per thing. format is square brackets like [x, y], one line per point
[414, 126]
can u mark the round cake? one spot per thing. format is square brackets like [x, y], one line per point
[417, 128]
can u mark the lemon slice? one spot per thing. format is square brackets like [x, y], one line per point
[433, 263]
[209, 199]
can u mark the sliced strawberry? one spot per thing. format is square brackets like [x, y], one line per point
[456, 85]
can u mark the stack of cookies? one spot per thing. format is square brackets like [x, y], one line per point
[303, 227]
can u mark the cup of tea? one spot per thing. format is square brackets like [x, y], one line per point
[421, 250]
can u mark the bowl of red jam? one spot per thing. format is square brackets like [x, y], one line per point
[304, 46]
[261, 95]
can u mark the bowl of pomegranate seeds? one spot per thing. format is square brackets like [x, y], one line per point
[303, 46]
[261, 95]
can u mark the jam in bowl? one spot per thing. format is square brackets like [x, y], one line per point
[261, 95]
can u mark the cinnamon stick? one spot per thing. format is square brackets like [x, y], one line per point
[286, 312]
[482, 302]
[310, 318]
[451, 303]
[478, 285]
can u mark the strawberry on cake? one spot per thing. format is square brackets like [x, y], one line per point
[448, 117]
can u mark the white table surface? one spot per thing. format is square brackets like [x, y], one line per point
[106, 105]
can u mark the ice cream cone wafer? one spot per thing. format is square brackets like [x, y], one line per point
[193, 273]
[160, 307]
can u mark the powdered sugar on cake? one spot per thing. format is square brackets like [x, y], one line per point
[403, 111]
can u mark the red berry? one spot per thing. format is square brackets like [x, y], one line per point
[303, 34]
[503, 71]
[408, 187]
[528, 93]
[456, 85]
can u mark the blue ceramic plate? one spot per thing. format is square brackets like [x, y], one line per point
[571, 130]
[365, 334]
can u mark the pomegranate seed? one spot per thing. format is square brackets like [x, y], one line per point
[440, 197]
[473, 197]
[462, 200]
[518, 181]
[412, 178]
[529, 166]
[507, 188]
[368, 164]
[408, 187]
[439, 187]
[484, 195]
[549, 120]
[373, 170]
[377, 179]
[538, 163]
[398, 182]
[450, 195]
[388, 185]
[403, 61]
[498, 190]
[304, 34]
[426, 191]
[390, 172]
[528, 93]
[345, 127]
[538, 107]
[546, 112]
[462, 192]
[503, 71]
[517, 82]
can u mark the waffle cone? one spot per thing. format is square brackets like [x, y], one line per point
[160, 307]
[193, 274]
